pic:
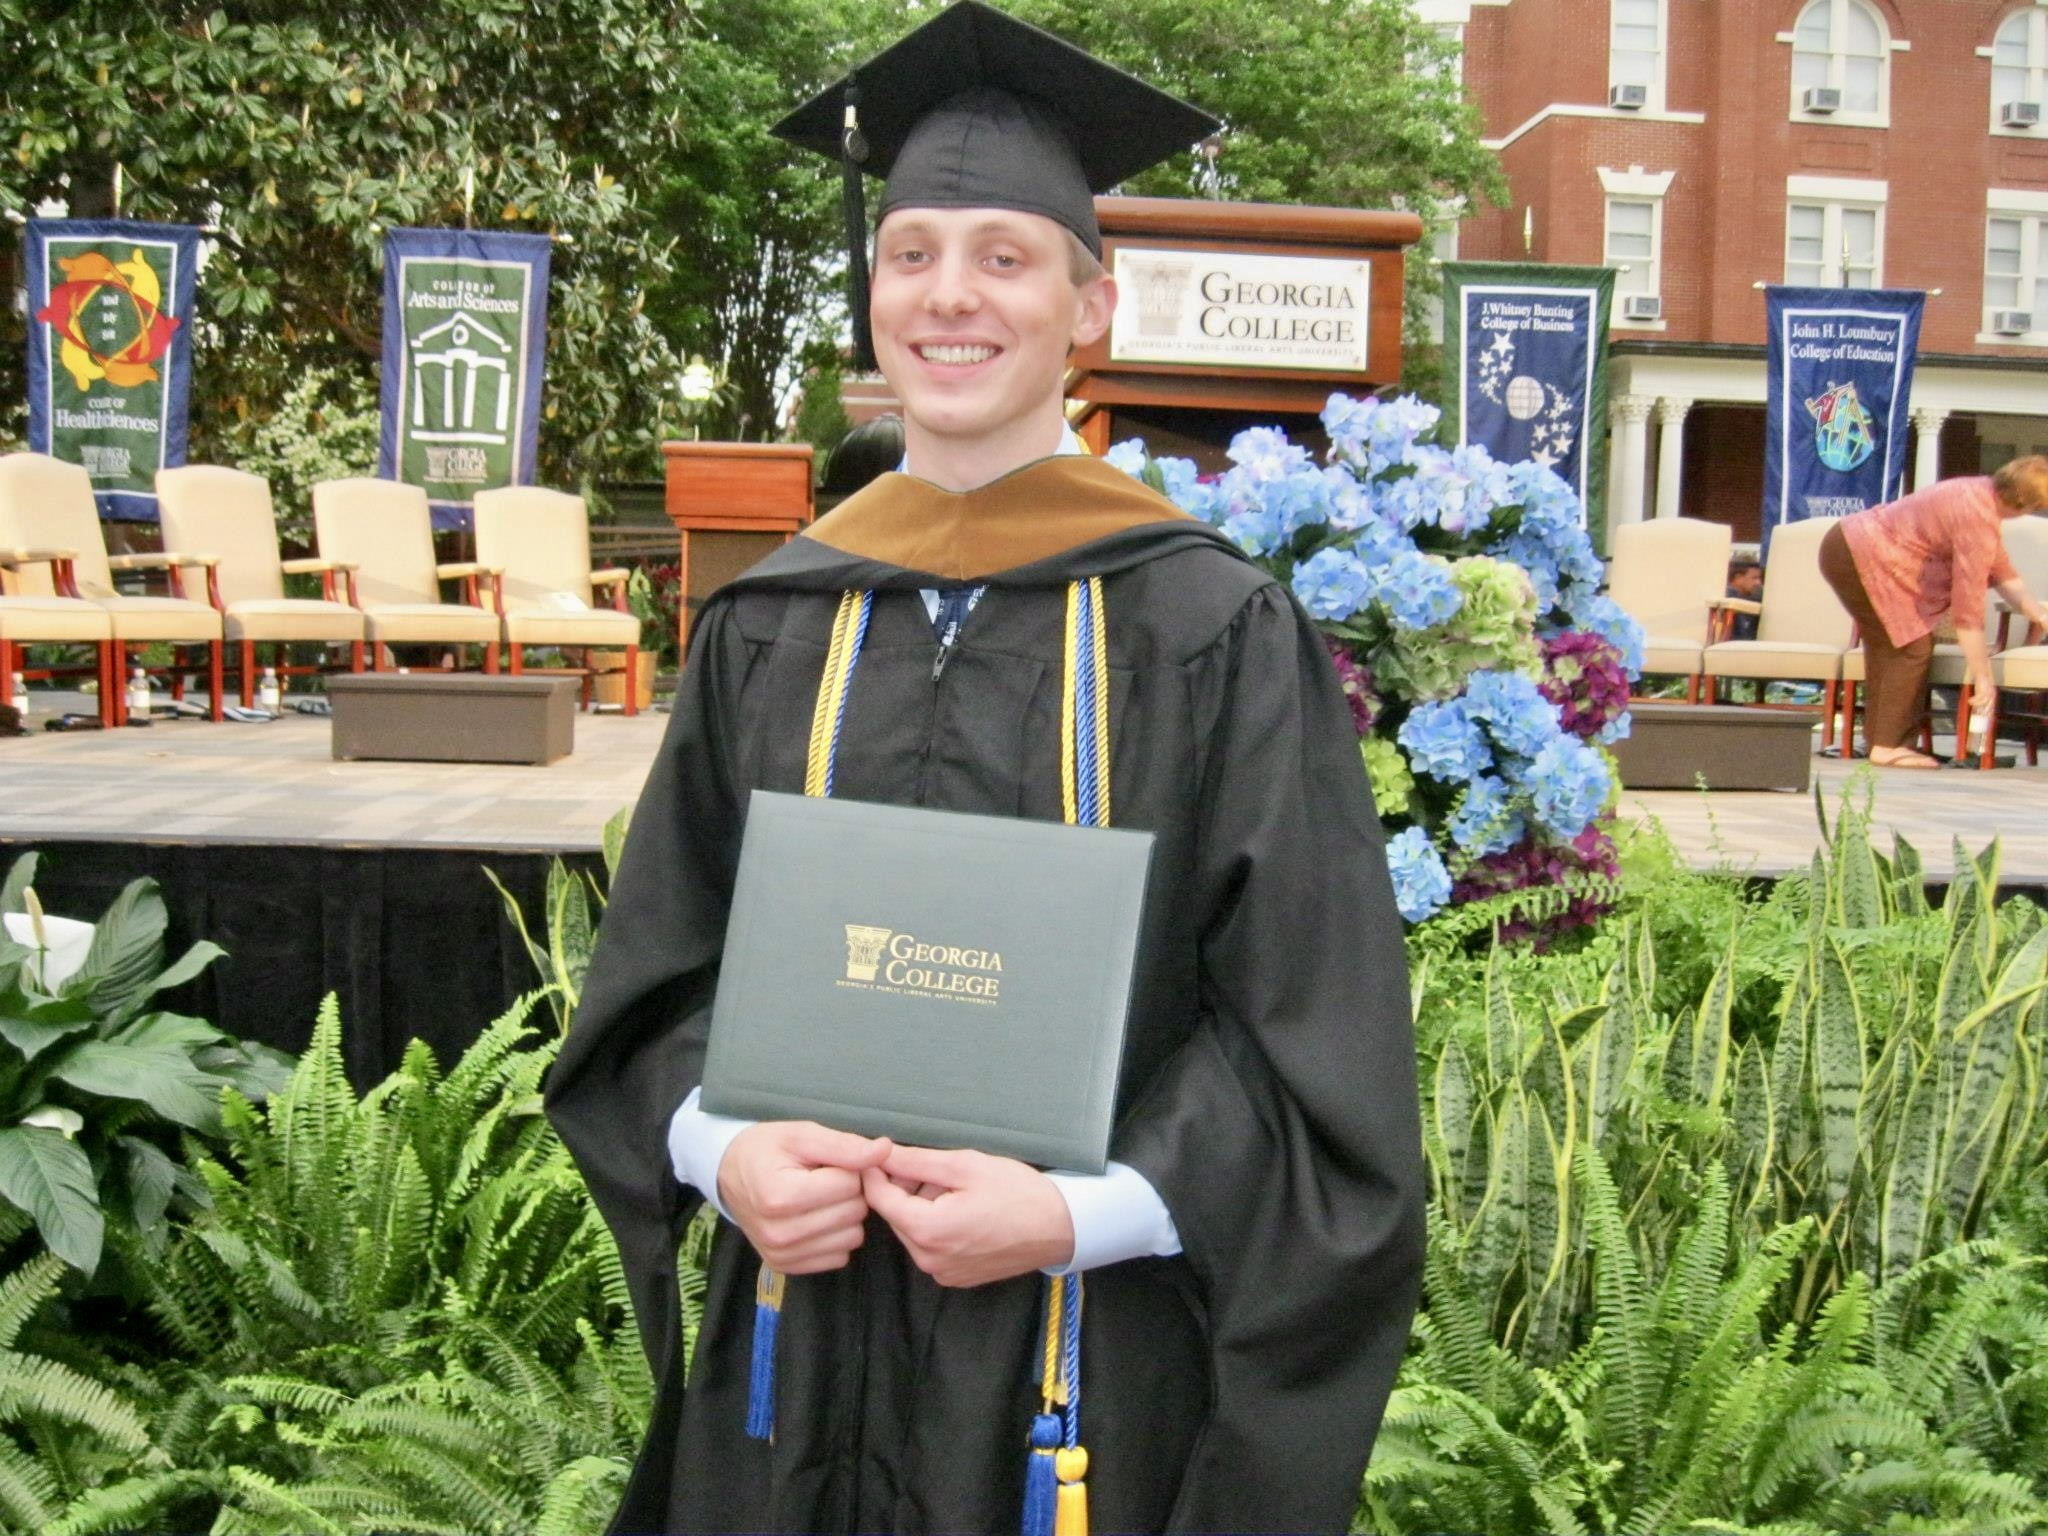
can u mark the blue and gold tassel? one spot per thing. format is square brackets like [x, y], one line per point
[1056, 1477]
[828, 715]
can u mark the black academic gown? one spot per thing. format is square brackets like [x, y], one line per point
[1269, 1081]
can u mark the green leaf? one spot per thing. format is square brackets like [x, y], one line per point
[152, 1178]
[48, 1176]
[34, 1029]
[187, 966]
[127, 949]
[1838, 1069]
[167, 1081]
[615, 842]
[21, 874]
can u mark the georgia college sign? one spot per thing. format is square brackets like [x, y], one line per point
[1231, 310]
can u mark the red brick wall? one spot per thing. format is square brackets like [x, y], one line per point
[1724, 216]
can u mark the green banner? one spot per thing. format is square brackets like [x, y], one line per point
[1527, 344]
[110, 351]
[465, 327]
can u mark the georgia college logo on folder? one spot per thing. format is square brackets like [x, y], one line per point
[915, 968]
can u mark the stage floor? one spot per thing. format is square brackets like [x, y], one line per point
[191, 781]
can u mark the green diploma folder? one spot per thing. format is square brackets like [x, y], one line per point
[942, 979]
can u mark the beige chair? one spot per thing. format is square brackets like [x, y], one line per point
[384, 530]
[2021, 663]
[1802, 627]
[540, 540]
[55, 617]
[50, 504]
[1668, 575]
[227, 513]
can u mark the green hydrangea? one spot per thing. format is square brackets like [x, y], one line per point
[1494, 630]
[1393, 782]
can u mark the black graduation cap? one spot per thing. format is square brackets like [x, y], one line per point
[976, 109]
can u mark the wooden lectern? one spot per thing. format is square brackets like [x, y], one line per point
[738, 502]
[1238, 314]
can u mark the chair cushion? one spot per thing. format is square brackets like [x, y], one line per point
[1946, 666]
[1667, 653]
[593, 626]
[53, 618]
[1788, 659]
[161, 618]
[293, 618]
[2023, 666]
[399, 623]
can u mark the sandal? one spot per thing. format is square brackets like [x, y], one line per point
[1906, 758]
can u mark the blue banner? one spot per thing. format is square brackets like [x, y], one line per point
[1839, 381]
[1529, 343]
[110, 352]
[465, 336]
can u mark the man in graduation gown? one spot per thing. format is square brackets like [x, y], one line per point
[1252, 1256]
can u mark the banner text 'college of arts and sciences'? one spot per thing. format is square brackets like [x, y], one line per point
[465, 333]
[110, 352]
[1840, 378]
[1529, 346]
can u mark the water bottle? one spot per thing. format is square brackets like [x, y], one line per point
[268, 695]
[19, 693]
[138, 695]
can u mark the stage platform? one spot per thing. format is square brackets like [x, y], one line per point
[365, 878]
[191, 781]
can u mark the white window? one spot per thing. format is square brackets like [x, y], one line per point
[1833, 244]
[1635, 48]
[1632, 244]
[2016, 271]
[1841, 64]
[2019, 71]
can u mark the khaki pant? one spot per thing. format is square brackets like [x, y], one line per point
[1895, 676]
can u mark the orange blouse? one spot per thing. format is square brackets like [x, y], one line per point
[1936, 551]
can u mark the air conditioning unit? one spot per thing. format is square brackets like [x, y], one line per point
[1821, 98]
[2012, 322]
[1642, 306]
[2020, 114]
[1632, 97]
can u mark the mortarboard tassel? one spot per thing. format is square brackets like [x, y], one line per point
[768, 1290]
[853, 154]
[1041, 1480]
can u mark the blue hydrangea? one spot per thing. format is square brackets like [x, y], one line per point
[1254, 530]
[1421, 883]
[1350, 504]
[1418, 591]
[1604, 617]
[1180, 477]
[1443, 740]
[1265, 454]
[1332, 584]
[1297, 500]
[1375, 435]
[1616, 729]
[1485, 822]
[1531, 552]
[1567, 783]
[1549, 504]
[1514, 711]
[1128, 456]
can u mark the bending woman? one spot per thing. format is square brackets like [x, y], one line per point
[1899, 567]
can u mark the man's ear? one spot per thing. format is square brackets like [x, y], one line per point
[1098, 307]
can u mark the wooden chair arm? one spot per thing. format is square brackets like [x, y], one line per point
[614, 577]
[14, 557]
[1736, 605]
[468, 568]
[312, 566]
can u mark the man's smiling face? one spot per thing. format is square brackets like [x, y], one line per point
[974, 312]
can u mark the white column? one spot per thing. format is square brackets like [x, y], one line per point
[1927, 446]
[1631, 452]
[1670, 452]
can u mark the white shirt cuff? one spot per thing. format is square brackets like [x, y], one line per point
[696, 1147]
[1117, 1215]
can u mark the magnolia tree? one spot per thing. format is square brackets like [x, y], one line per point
[1460, 598]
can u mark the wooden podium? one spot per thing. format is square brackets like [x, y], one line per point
[1238, 314]
[732, 504]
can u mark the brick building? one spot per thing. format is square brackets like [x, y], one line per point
[1710, 146]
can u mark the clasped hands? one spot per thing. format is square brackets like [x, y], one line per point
[802, 1194]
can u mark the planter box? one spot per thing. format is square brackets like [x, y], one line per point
[453, 717]
[608, 686]
[1674, 746]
